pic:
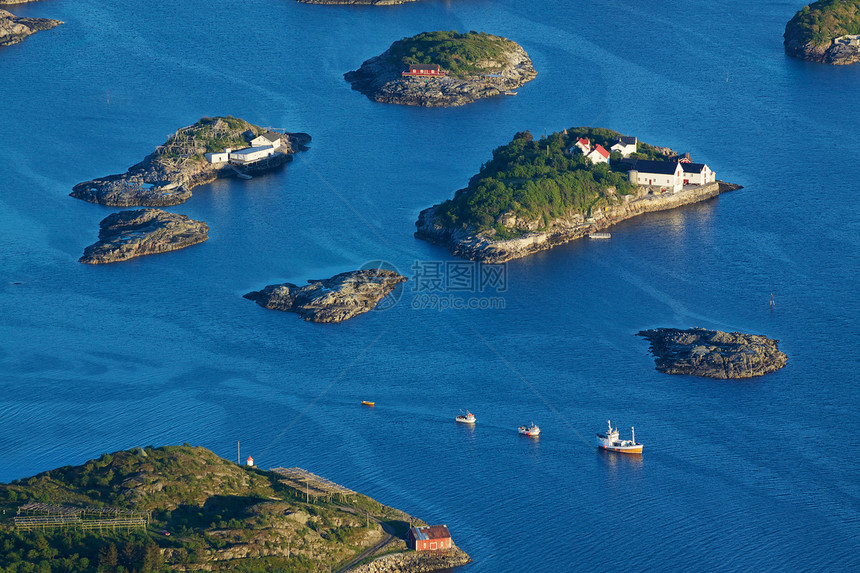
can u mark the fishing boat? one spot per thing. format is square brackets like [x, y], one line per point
[599, 236]
[530, 430]
[510, 93]
[611, 442]
[368, 403]
[467, 418]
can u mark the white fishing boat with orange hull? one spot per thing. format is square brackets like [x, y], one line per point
[467, 418]
[531, 430]
[613, 443]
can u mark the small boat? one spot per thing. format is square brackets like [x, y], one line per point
[531, 430]
[613, 443]
[467, 418]
[510, 93]
[599, 236]
[367, 403]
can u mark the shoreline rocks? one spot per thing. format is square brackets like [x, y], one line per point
[483, 247]
[713, 353]
[167, 176]
[14, 29]
[416, 562]
[336, 299]
[380, 78]
[130, 234]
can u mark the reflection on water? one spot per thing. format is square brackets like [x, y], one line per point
[615, 461]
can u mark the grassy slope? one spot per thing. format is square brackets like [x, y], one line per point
[212, 507]
[822, 21]
[209, 135]
[525, 180]
[461, 55]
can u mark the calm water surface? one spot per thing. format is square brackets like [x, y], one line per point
[753, 475]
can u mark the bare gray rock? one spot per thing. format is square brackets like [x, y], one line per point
[416, 562]
[129, 234]
[14, 29]
[336, 299]
[713, 353]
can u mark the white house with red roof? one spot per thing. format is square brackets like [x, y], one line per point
[582, 144]
[598, 155]
[249, 461]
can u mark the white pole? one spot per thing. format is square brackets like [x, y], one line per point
[238, 455]
[633, 432]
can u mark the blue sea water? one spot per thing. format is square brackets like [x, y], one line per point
[745, 475]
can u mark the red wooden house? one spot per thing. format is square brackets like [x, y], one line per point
[427, 70]
[430, 538]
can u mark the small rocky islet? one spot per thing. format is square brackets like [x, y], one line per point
[128, 234]
[827, 31]
[192, 156]
[14, 29]
[713, 353]
[335, 299]
[443, 69]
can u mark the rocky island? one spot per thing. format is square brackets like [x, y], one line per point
[827, 31]
[533, 195]
[14, 29]
[130, 234]
[336, 299]
[713, 353]
[443, 69]
[211, 148]
[183, 508]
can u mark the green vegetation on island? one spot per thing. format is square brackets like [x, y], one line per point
[460, 55]
[201, 512]
[821, 22]
[208, 135]
[539, 180]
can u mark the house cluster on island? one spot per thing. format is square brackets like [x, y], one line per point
[261, 147]
[672, 174]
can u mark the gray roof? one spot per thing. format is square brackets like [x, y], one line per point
[660, 167]
[626, 140]
[693, 167]
[249, 150]
[271, 136]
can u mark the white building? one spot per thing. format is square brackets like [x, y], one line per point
[666, 174]
[581, 144]
[218, 157]
[250, 461]
[269, 138]
[697, 174]
[625, 145]
[251, 154]
[598, 155]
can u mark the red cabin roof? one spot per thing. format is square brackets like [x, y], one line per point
[601, 150]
